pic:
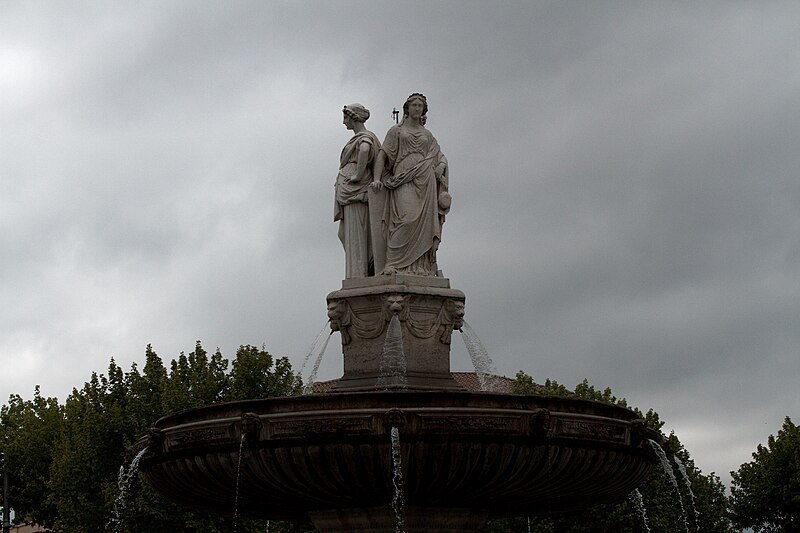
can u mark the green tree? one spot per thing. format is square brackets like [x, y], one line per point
[83, 471]
[765, 493]
[29, 432]
[196, 380]
[145, 393]
[255, 374]
[64, 461]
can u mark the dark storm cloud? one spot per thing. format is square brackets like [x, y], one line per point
[624, 182]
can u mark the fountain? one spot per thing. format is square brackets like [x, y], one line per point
[397, 420]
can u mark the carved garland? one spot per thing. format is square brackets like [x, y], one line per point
[344, 319]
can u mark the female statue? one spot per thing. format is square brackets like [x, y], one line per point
[352, 185]
[412, 167]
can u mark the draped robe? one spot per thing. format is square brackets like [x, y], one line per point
[350, 205]
[412, 217]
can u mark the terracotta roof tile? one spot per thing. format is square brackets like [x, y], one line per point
[468, 380]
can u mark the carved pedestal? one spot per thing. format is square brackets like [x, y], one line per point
[428, 311]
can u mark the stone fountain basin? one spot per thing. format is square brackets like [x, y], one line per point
[494, 454]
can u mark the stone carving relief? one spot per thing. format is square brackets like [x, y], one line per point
[587, 429]
[541, 422]
[395, 303]
[394, 418]
[186, 438]
[451, 318]
[321, 426]
[411, 167]
[339, 316]
[470, 424]
[352, 187]
[391, 198]
[251, 425]
[421, 316]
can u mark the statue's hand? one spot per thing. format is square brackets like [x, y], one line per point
[376, 185]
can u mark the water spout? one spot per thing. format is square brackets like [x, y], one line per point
[124, 480]
[684, 475]
[638, 503]
[313, 347]
[308, 389]
[484, 367]
[393, 360]
[236, 497]
[665, 464]
[397, 481]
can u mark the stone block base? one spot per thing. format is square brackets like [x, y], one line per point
[427, 309]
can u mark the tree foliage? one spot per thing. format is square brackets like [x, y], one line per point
[765, 493]
[64, 460]
[30, 430]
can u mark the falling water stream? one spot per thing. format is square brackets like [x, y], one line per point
[397, 481]
[308, 389]
[236, 497]
[638, 502]
[484, 367]
[667, 466]
[124, 480]
[684, 475]
[313, 347]
[393, 360]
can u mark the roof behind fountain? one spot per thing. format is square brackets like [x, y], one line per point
[468, 380]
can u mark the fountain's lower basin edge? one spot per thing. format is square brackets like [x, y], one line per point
[322, 455]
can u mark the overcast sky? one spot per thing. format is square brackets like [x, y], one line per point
[626, 198]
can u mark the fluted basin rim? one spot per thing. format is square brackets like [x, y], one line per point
[507, 454]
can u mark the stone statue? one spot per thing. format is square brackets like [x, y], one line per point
[411, 166]
[352, 186]
[397, 218]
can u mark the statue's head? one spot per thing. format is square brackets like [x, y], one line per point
[456, 310]
[395, 303]
[356, 112]
[335, 313]
[416, 97]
